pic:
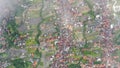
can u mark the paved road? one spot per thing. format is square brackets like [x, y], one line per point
[116, 8]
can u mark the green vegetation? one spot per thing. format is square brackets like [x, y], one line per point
[4, 55]
[97, 62]
[116, 38]
[31, 50]
[11, 66]
[1, 46]
[30, 42]
[19, 11]
[74, 66]
[90, 53]
[84, 33]
[20, 63]
[39, 33]
[89, 3]
[92, 15]
[117, 53]
[38, 26]
[91, 12]
[11, 32]
[38, 53]
[57, 33]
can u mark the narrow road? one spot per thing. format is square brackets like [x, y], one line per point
[115, 8]
[38, 26]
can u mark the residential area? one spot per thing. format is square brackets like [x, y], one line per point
[59, 34]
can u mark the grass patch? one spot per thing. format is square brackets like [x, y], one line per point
[30, 42]
[33, 14]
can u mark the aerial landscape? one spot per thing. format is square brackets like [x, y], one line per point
[59, 33]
